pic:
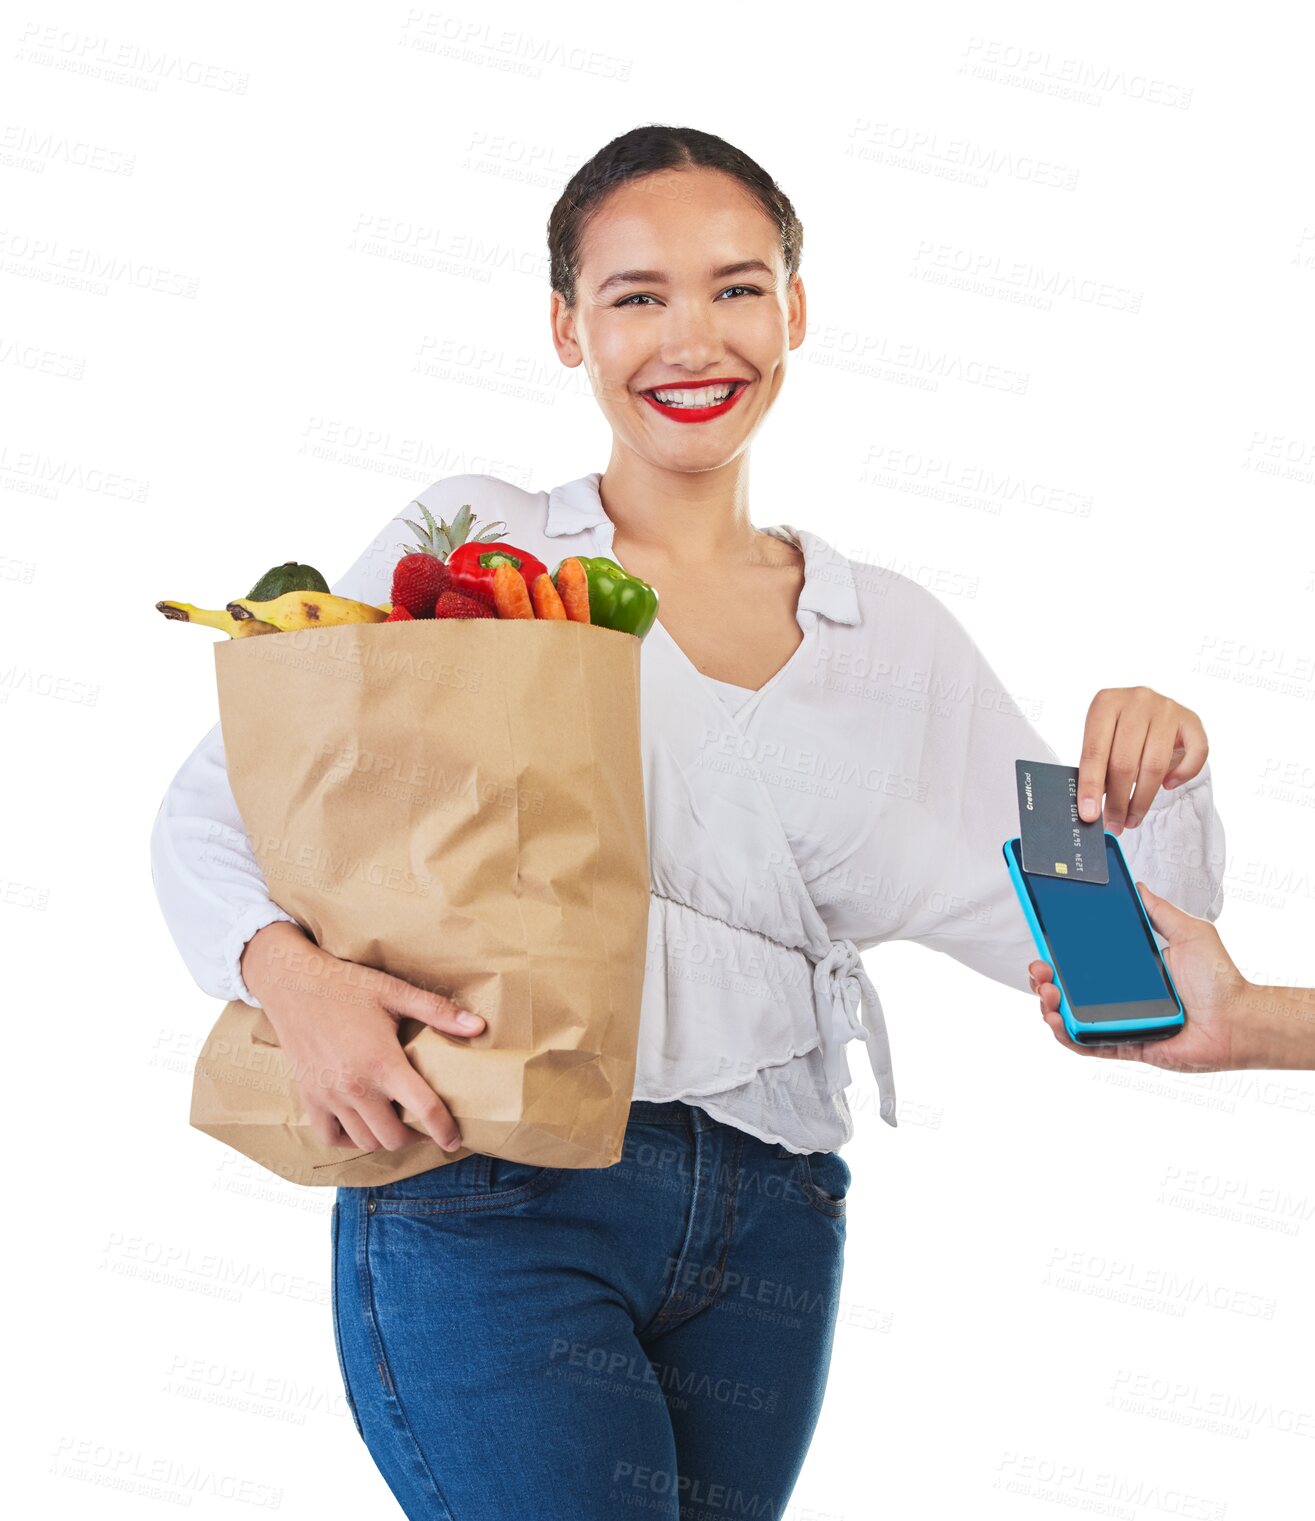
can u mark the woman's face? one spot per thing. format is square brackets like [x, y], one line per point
[657, 306]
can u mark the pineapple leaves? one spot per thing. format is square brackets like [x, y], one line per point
[441, 538]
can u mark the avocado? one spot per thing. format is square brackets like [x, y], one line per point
[285, 578]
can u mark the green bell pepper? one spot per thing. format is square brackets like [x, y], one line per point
[617, 599]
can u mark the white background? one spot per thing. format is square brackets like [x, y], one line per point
[267, 272]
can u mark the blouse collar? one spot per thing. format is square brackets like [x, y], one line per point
[828, 587]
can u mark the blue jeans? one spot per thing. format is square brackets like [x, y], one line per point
[570, 1344]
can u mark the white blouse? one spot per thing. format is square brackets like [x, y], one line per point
[861, 795]
[735, 696]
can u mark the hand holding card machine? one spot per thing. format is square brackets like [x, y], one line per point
[1091, 927]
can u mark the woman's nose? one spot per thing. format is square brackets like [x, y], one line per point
[691, 339]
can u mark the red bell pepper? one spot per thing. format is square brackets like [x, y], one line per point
[472, 566]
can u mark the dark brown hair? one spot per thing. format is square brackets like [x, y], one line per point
[648, 150]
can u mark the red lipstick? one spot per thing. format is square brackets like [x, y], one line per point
[697, 414]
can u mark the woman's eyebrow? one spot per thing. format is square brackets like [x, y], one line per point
[656, 277]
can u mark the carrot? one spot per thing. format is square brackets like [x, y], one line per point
[573, 588]
[547, 604]
[511, 597]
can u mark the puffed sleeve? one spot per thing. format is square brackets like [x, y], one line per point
[968, 907]
[210, 888]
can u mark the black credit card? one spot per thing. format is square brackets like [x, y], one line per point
[1056, 840]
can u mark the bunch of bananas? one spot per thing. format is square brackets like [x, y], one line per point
[289, 596]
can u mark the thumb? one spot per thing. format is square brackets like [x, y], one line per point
[1166, 918]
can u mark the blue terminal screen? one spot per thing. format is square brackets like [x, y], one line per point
[1099, 940]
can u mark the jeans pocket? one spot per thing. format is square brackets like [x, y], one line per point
[477, 1182]
[826, 1177]
[337, 1328]
[505, 1177]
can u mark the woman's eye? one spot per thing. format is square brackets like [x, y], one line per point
[752, 288]
[638, 296]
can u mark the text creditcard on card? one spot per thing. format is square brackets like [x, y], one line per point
[1056, 840]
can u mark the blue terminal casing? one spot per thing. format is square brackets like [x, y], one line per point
[1103, 1032]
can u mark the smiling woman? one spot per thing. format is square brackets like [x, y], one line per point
[828, 764]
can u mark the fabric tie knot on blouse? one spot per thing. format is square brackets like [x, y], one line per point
[849, 1008]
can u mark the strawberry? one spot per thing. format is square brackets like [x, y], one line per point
[455, 604]
[399, 615]
[418, 581]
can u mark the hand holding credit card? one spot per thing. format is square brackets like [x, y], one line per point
[1135, 742]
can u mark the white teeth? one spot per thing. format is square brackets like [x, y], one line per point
[708, 396]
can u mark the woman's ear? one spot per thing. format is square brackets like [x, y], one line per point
[562, 323]
[797, 311]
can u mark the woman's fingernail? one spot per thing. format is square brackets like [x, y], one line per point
[452, 1145]
[471, 1021]
[1133, 820]
[1088, 808]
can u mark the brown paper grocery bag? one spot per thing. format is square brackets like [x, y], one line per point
[458, 802]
